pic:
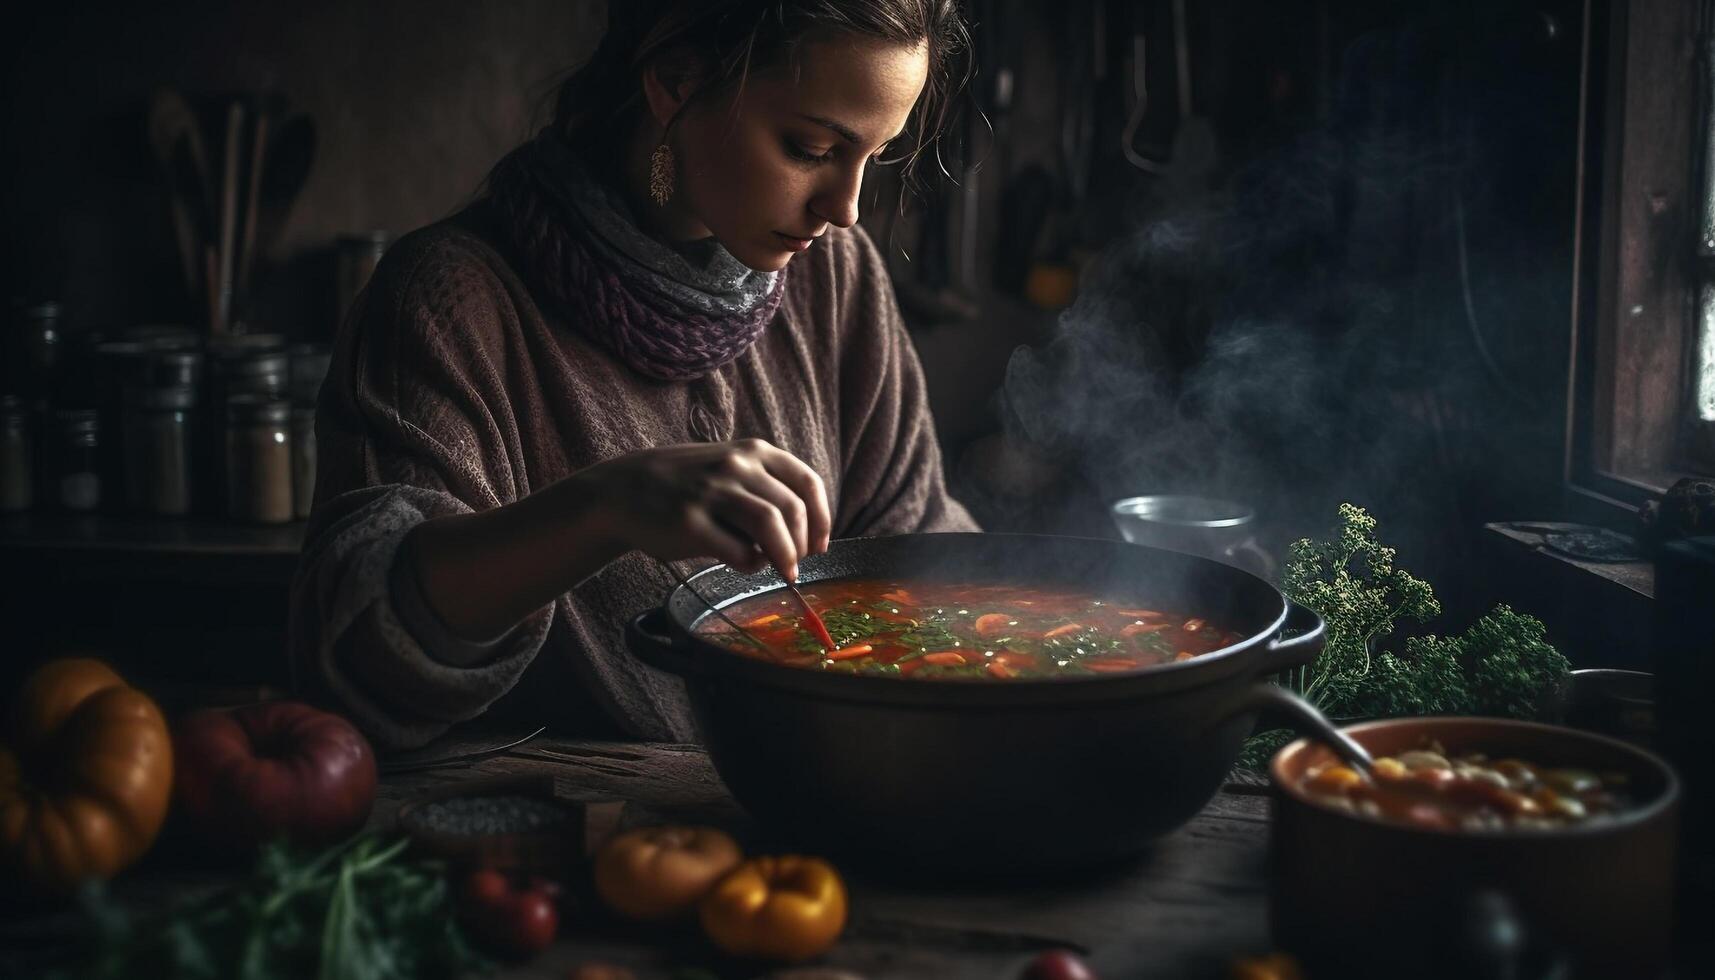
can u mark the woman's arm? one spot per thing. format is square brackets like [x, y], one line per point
[746, 503]
[418, 440]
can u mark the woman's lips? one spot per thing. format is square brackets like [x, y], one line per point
[794, 244]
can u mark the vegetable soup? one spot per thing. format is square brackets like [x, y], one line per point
[1430, 789]
[982, 632]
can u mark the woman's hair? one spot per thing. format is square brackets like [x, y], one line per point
[729, 39]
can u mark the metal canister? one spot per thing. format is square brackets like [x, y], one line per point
[248, 364]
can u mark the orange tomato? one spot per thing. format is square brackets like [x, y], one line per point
[658, 872]
[84, 778]
[787, 908]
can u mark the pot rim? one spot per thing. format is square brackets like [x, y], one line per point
[1625, 821]
[1209, 668]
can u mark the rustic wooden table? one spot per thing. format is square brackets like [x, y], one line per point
[1183, 910]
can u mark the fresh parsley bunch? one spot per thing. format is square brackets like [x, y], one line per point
[361, 910]
[1502, 665]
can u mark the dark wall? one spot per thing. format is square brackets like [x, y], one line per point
[413, 101]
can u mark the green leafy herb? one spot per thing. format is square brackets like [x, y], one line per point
[358, 911]
[1501, 665]
[926, 637]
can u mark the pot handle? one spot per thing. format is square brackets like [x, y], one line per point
[649, 641]
[1298, 650]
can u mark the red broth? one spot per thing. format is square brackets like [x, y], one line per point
[981, 632]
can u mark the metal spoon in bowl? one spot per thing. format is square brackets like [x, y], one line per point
[1306, 718]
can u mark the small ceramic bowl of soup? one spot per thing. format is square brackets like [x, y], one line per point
[1571, 835]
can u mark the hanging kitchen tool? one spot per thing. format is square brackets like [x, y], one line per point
[1077, 110]
[220, 321]
[1140, 101]
[263, 113]
[176, 137]
[1195, 149]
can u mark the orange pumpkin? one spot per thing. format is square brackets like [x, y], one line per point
[84, 776]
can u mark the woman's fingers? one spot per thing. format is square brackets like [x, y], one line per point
[761, 521]
[718, 541]
[806, 484]
[791, 507]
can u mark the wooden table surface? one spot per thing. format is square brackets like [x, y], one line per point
[1182, 910]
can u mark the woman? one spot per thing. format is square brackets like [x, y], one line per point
[659, 336]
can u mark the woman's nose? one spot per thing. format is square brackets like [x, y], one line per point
[838, 203]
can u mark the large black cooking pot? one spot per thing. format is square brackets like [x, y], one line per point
[976, 776]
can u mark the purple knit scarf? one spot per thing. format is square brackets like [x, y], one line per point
[652, 335]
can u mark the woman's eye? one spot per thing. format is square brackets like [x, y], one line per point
[808, 156]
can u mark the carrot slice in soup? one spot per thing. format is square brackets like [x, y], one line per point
[852, 652]
[1141, 613]
[999, 669]
[992, 623]
[1061, 631]
[945, 658]
[1136, 628]
[1110, 665]
[763, 620]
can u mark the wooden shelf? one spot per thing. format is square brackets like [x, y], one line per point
[112, 549]
[1600, 614]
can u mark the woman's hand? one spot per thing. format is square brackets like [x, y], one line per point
[746, 503]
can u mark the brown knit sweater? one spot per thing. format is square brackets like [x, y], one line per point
[451, 390]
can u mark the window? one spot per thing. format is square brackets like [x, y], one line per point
[1642, 401]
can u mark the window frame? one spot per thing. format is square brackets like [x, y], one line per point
[1629, 435]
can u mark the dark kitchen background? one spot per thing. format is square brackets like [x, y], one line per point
[1290, 253]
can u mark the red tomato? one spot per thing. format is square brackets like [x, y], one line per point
[276, 769]
[508, 920]
[1057, 964]
[486, 887]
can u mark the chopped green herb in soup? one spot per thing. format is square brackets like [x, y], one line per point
[932, 630]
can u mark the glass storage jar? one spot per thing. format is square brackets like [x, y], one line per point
[259, 458]
[77, 459]
[159, 441]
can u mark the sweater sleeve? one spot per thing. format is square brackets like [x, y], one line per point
[412, 424]
[893, 482]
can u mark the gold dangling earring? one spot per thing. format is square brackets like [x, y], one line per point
[661, 174]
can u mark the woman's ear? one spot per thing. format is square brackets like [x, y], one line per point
[668, 83]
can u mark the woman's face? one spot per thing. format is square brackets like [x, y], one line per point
[767, 170]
